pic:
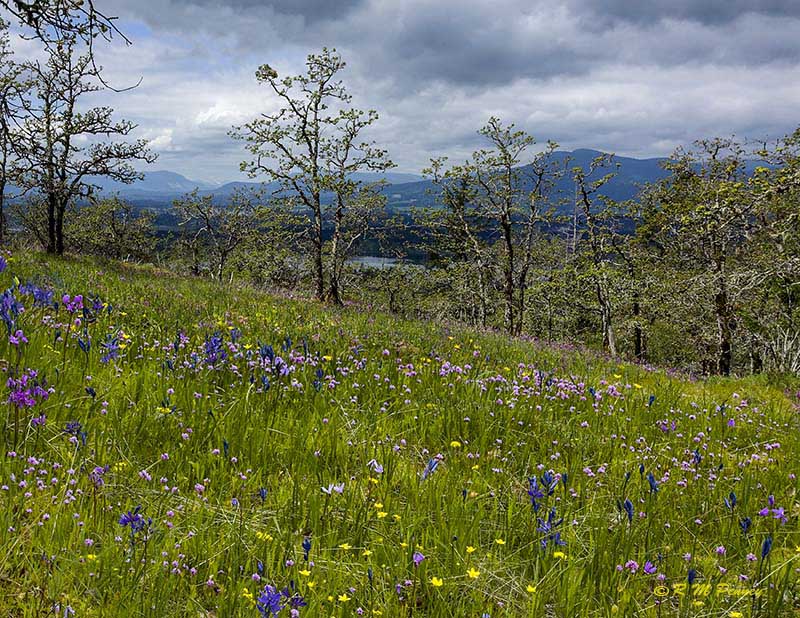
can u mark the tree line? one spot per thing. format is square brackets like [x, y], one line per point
[701, 270]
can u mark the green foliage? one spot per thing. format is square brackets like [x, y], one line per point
[111, 228]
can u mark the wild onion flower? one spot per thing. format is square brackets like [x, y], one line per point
[333, 488]
[17, 338]
[650, 568]
[97, 474]
[72, 304]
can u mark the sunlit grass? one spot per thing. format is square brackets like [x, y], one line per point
[402, 452]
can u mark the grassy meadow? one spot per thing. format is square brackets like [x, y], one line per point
[173, 447]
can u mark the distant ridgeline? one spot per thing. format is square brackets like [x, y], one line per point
[158, 189]
[404, 192]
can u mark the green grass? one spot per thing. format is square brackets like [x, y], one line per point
[504, 412]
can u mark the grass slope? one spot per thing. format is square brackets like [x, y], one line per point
[185, 449]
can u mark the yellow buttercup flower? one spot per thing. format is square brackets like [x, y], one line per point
[473, 573]
[531, 588]
[382, 514]
[455, 444]
[344, 598]
[366, 552]
[305, 572]
[559, 554]
[470, 549]
[437, 581]
[500, 541]
[345, 546]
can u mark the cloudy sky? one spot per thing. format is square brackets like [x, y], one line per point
[635, 77]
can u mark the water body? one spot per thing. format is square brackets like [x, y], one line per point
[373, 261]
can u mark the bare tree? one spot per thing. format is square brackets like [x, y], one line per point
[313, 152]
[600, 223]
[215, 228]
[496, 200]
[12, 90]
[63, 149]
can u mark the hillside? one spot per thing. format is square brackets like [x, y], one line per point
[159, 189]
[176, 448]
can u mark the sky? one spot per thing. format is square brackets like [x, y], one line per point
[634, 77]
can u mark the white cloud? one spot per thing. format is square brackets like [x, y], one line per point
[637, 80]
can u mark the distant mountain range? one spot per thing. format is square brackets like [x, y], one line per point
[159, 188]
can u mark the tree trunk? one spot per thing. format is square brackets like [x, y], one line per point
[60, 228]
[508, 288]
[333, 295]
[2, 212]
[319, 269]
[481, 295]
[638, 334]
[724, 331]
[609, 336]
[51, 224]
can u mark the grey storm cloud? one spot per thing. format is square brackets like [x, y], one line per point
[639, 77]
[707, 12]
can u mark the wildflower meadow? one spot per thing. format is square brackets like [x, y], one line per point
[177, 447]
